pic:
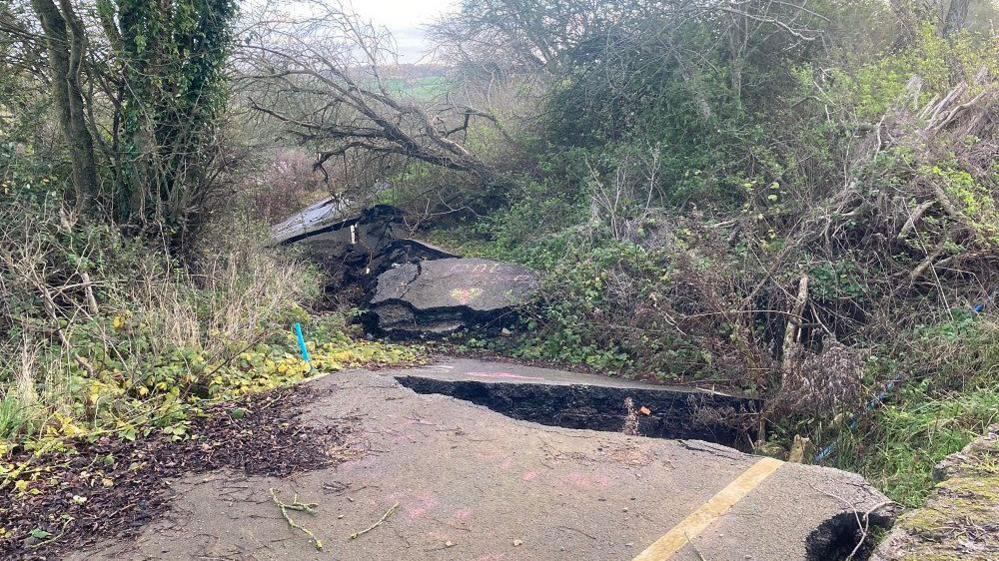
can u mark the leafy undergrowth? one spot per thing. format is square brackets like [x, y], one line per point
[110, 487]
[947, 396]
[101, 400]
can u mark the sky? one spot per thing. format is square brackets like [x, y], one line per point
[406, 19]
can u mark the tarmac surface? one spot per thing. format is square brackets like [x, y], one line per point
[463, 483]
[460, 369]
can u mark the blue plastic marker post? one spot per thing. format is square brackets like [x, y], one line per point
[301, 344]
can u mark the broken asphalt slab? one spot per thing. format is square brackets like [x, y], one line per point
[586, 401]
[474, 485]
[440, 296]
[415, 289]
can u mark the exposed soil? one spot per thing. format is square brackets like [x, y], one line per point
[654, 413]
[849, 536]
[111, 488]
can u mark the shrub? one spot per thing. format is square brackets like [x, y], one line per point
[116, 338]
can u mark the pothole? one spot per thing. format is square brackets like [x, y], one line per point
[657, 413]
[849, 536]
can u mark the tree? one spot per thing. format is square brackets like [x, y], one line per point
[175, 92]
[322, 76]
[620, 42]
[140, 89]
[957, 16]
[65, 37]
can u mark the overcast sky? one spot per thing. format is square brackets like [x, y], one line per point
[406, 19]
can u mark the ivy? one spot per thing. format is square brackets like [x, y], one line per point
[173, 55]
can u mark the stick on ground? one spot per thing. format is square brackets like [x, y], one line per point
[384, 517]
[300, 507]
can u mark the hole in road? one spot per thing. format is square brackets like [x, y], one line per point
[672, 413]
[665, 413]
[837, 538]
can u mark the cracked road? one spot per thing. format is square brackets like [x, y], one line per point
[474, 485]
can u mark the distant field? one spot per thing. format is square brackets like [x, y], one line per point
[420, 88]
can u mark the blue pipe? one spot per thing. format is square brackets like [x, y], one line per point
[871, 405]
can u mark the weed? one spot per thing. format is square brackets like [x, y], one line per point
[950, 397]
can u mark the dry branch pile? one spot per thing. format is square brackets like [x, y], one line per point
[923, 189]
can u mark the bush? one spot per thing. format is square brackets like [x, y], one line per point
[115, 338]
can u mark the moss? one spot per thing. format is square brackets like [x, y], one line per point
[981, 491]
[959, 511]
[938, 519]
[937, 556]
[926, 522]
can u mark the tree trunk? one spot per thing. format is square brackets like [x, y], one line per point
[66, 41]
[907, 23]
[957, 17]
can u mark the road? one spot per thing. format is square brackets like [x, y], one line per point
[474, 485]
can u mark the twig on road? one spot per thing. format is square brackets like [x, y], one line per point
[381, 520]
[300, 507]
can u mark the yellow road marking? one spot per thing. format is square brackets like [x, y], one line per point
[698, 521]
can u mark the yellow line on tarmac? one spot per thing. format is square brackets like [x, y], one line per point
[665, 547]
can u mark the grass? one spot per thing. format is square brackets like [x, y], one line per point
[422, 88]
[951, 398]
[901, 444]
[152, 344]
[12, 419]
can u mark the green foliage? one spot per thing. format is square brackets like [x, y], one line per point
[13, 418]
[568, 327]
[950, 395]
[973, 199]
[712, 118]
[871, 88]
[837, 280]
[173, 55]
[133, 390]
[163, 342]
[587, 281]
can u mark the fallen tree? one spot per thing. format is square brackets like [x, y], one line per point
[325, 77]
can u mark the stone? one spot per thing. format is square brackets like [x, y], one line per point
[960, 520]
[440, 296]
[801, 450]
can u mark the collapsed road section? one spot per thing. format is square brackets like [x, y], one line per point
[431, 477]
[410, 288]
[585, 401]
